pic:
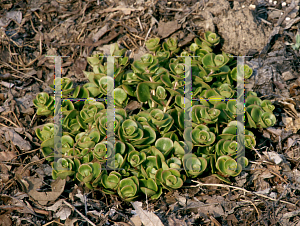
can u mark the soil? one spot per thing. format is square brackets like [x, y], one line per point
[266, 193]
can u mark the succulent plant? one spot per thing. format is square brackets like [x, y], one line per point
[154, 149]
[228, 166]
[110, 182]
[89, 174]
[44, 104]
[202, 136]
[153, 44]
[64, 167]
[150, 188]
[66, 86]
[193, 165]
[170, 179]
[128, 188]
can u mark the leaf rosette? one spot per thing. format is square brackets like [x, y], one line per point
[89, 140]
[171, 45]
[201, 136]
[267, 106]
[170, 179]
[128, 188]
[267, 119]
[193, 165]
[229, 167]
[153, 44]
[147, 65]
[46, 133]
[150, 188]
[238, 71]
[66, 86]
[64, 167]
[215, 62]
[89, 174]
[110, 182]
[174, 163]
[136, 158]
[202, 114]
[162, 120]
[44, 104]
[136, 134]
[211, 39]
[227, 147]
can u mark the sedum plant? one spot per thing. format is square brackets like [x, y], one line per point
[152, 151]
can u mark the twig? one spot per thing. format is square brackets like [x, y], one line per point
[279, 176]
[32, 120]
[141, 26]
[6, 64]
[10, 121]
[241, 189]
[258, 214]
[84, 217]
[147, 36]
[28, 152]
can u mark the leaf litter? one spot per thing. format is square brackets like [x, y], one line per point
[273, 176]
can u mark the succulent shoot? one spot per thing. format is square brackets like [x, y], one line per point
[153, 149]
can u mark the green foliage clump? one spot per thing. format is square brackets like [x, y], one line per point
[150, 145]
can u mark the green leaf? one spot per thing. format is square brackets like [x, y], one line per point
[165, 145]
[143, 92]
[120, 95]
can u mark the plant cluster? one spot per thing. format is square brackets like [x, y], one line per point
[150, 150]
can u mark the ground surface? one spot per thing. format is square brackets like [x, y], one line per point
[268, 193]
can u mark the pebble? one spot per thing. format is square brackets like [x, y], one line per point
[287, 18]
[283, 4]
[275, 2]
[252, 6]
[270, 1]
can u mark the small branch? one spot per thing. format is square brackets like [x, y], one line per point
[84, 217]
[241, 189]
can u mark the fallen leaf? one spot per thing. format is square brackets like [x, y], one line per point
[55, 206]
[168, 28]
[43, 197]
[272, 155]
[70, 222]
[12, 15]
[17, 139]
[5, 220]
[147, 218]
[63, 213]
[6, 156]
[136, 221]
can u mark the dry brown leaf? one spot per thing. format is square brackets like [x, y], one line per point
[17, 139]
[63, 213]
[291, 124]
[32, 184]
[136, 221]
[147, 218]
[5, 220]
[6, 156]
[168, 28]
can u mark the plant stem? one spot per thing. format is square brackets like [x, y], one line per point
[153, 93]
[165, 108]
